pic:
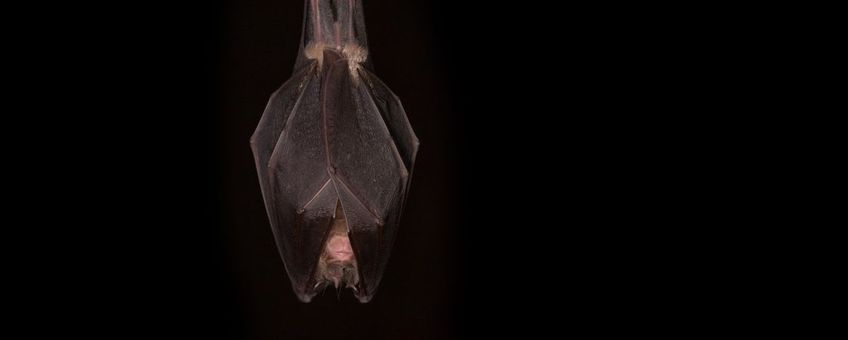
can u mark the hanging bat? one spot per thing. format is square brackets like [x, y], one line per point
[334, 153]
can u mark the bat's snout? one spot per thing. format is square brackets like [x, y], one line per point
[339, 249]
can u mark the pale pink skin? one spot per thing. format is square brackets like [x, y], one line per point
[339, 248]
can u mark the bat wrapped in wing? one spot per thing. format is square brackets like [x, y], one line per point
[334, 152]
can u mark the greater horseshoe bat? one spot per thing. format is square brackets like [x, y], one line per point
[334, 152]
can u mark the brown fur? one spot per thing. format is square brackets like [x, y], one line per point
[354, 54]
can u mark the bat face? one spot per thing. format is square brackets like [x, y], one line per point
[334, 153]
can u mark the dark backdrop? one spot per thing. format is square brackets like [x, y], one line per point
[257, 48]
[451, 66]
[542, 153]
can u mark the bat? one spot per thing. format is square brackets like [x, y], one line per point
[334, 153]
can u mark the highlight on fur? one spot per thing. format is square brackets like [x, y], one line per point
[353, 53]
[315, 51]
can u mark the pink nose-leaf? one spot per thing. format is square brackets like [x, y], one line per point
[339, 248]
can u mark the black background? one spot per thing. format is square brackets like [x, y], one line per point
[258, 46]
[540, 160]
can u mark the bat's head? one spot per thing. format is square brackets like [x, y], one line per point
[337, 265]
